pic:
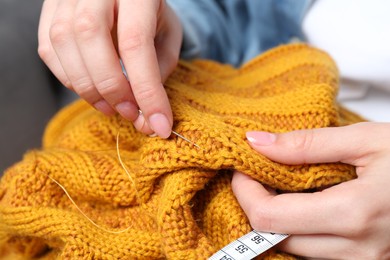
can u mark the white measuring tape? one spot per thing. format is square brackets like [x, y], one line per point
[249, 246]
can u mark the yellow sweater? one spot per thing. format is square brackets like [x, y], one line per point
[180, 205]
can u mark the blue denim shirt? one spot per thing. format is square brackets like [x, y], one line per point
[234, 31]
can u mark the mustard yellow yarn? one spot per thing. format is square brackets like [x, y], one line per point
[182, 205]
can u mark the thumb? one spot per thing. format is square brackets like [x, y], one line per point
[349, 144]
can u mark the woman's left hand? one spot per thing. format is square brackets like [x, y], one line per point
[350, 220]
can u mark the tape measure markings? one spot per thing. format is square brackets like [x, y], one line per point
[228, 256]
[245, 244]
[248, 246]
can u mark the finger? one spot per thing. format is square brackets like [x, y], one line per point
[45, 48]
[63, 41]
[167, 57]
[94, 21]
[137, 50]
[320, 246]
[299, 213]
[168, 44]
[141, 125]
[350, 144]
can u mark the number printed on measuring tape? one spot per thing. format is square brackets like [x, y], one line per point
[248, 246]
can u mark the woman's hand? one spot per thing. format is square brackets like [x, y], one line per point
[82, 42]
[347, 221]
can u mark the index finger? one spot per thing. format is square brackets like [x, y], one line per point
[351, 144]
[137, 25]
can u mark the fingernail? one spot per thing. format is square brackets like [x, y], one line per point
[128, 110]
[160, 125]
[260, 138]
[104, 107]
[141, 125]
[140, 122]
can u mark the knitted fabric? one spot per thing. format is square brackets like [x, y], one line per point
[178, 203]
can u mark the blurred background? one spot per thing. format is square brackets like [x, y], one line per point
[29, 94]
[356, 34]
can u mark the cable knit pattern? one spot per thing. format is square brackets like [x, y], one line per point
[180, 204]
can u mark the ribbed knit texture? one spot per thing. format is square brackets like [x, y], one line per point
[182, 205]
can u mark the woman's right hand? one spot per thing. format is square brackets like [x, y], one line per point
[82, 41]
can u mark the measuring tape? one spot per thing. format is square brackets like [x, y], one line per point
[249, 246]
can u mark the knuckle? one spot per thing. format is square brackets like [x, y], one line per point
[84, 87]
[144, 92]
[44, 52]
[86, 24]
[259, 220]
[357, 226]
[302, 141]
[60, 31]
[108, 85]
[82, 83]
[68, 84]
[85, 92]
[132, 41]
[360, 220]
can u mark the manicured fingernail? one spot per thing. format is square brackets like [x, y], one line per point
[140, 122]
[141, 125]
[128, 110]
[160, 125]
[104, 107]
[261, 138]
